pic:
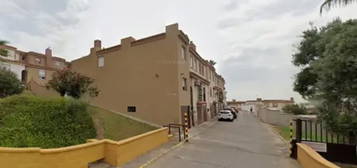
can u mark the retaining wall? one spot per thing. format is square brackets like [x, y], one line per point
[274, 117]
[308, 158]
[115, 153]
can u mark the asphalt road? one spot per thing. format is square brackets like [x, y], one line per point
[244, 143]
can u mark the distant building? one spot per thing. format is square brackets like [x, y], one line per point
[236, 104]
[156, 79]
[276, 104]
[255, 105]
[33, 69]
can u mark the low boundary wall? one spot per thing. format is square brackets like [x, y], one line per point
[115, 153]
[274, 117]
[308, 158]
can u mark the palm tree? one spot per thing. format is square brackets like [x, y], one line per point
[2, 51]
[330, 3]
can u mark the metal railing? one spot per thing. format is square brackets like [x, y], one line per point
[180, 127]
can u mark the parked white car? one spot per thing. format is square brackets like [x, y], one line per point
[225, 115]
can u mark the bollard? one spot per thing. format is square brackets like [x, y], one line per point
[291, 130]
[186, 127]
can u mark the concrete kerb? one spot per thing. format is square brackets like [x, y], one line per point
[195, 133]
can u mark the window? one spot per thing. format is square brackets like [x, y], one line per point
[38, 60]
[42, 74]
[131, 109]
[184, 84]
[183, 52]
[100, 61]
[204, 94]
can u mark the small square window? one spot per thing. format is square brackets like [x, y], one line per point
[131, 109]
[100, 61]
[38, 60]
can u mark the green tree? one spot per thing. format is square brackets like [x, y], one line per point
[2, 51]
[9, 84]
[328, 60]
[330, 3]
[295, 109]
[73, 84]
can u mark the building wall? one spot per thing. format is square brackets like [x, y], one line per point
[140, 73]
[14, 67]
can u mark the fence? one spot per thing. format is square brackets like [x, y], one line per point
[332, 146]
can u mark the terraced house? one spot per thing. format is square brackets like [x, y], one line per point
[32, 68]
[156, 79]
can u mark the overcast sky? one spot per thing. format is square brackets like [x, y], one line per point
[252, 41]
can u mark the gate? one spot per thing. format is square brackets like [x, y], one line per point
[332, 146]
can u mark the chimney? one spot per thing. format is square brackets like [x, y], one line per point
[292, 99]
[98, 44]
[126, 42]
[48, 52]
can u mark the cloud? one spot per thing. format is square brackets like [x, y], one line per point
[251, 41]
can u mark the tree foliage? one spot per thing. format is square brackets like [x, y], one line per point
[9, 84]
[331, 3]
[295, 109]
[3, 52]
[327, 57]
[73, 84]
[212, 62]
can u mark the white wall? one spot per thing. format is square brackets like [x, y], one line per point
[275, 117]
[16, 68]
[11, 55]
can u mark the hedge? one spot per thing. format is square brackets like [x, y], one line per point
[29, 121]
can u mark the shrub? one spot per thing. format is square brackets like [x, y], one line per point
[73, 84]
[29, 121]
[295, 109]
[9, 84]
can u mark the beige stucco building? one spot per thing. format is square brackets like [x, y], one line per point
[33, 69]
[156, 79]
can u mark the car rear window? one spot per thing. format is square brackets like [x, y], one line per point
[224, 112]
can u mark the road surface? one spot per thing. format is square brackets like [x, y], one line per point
[244, 143]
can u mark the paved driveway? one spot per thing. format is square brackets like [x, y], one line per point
[244, 143]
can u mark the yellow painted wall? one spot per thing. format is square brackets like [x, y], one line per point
[78, 156]
[308, 158]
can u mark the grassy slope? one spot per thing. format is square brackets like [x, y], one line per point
[283, 131]
[115, 126]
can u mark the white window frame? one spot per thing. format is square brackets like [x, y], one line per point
[101, 61]
[42, 74]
